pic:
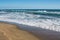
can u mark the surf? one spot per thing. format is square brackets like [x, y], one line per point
[49, 21]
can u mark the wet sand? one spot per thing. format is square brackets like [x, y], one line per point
[43, 34]
[11, 32]
[38, 33]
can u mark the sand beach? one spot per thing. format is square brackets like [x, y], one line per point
[11, 32]
[16, 31]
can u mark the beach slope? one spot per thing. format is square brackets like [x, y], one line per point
[11, 32]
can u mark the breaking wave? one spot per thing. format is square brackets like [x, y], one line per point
[45, 20]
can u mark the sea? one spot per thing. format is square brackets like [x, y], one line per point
[44, 18]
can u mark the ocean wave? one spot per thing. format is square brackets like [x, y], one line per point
[26, 18]
[53, 14]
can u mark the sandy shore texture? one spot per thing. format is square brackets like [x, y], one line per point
[11, 32]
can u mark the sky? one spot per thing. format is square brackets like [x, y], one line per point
[30, 4]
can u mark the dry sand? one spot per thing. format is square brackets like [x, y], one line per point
[11, 32]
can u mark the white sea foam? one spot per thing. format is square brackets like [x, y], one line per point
[42, 21]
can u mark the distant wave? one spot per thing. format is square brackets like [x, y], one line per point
[55, 14]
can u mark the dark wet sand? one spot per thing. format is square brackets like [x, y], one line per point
[42, 34]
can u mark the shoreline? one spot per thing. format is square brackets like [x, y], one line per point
[39, 32]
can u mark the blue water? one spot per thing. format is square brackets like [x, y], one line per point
[43, 18]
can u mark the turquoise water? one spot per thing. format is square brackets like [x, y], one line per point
[43, 18]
